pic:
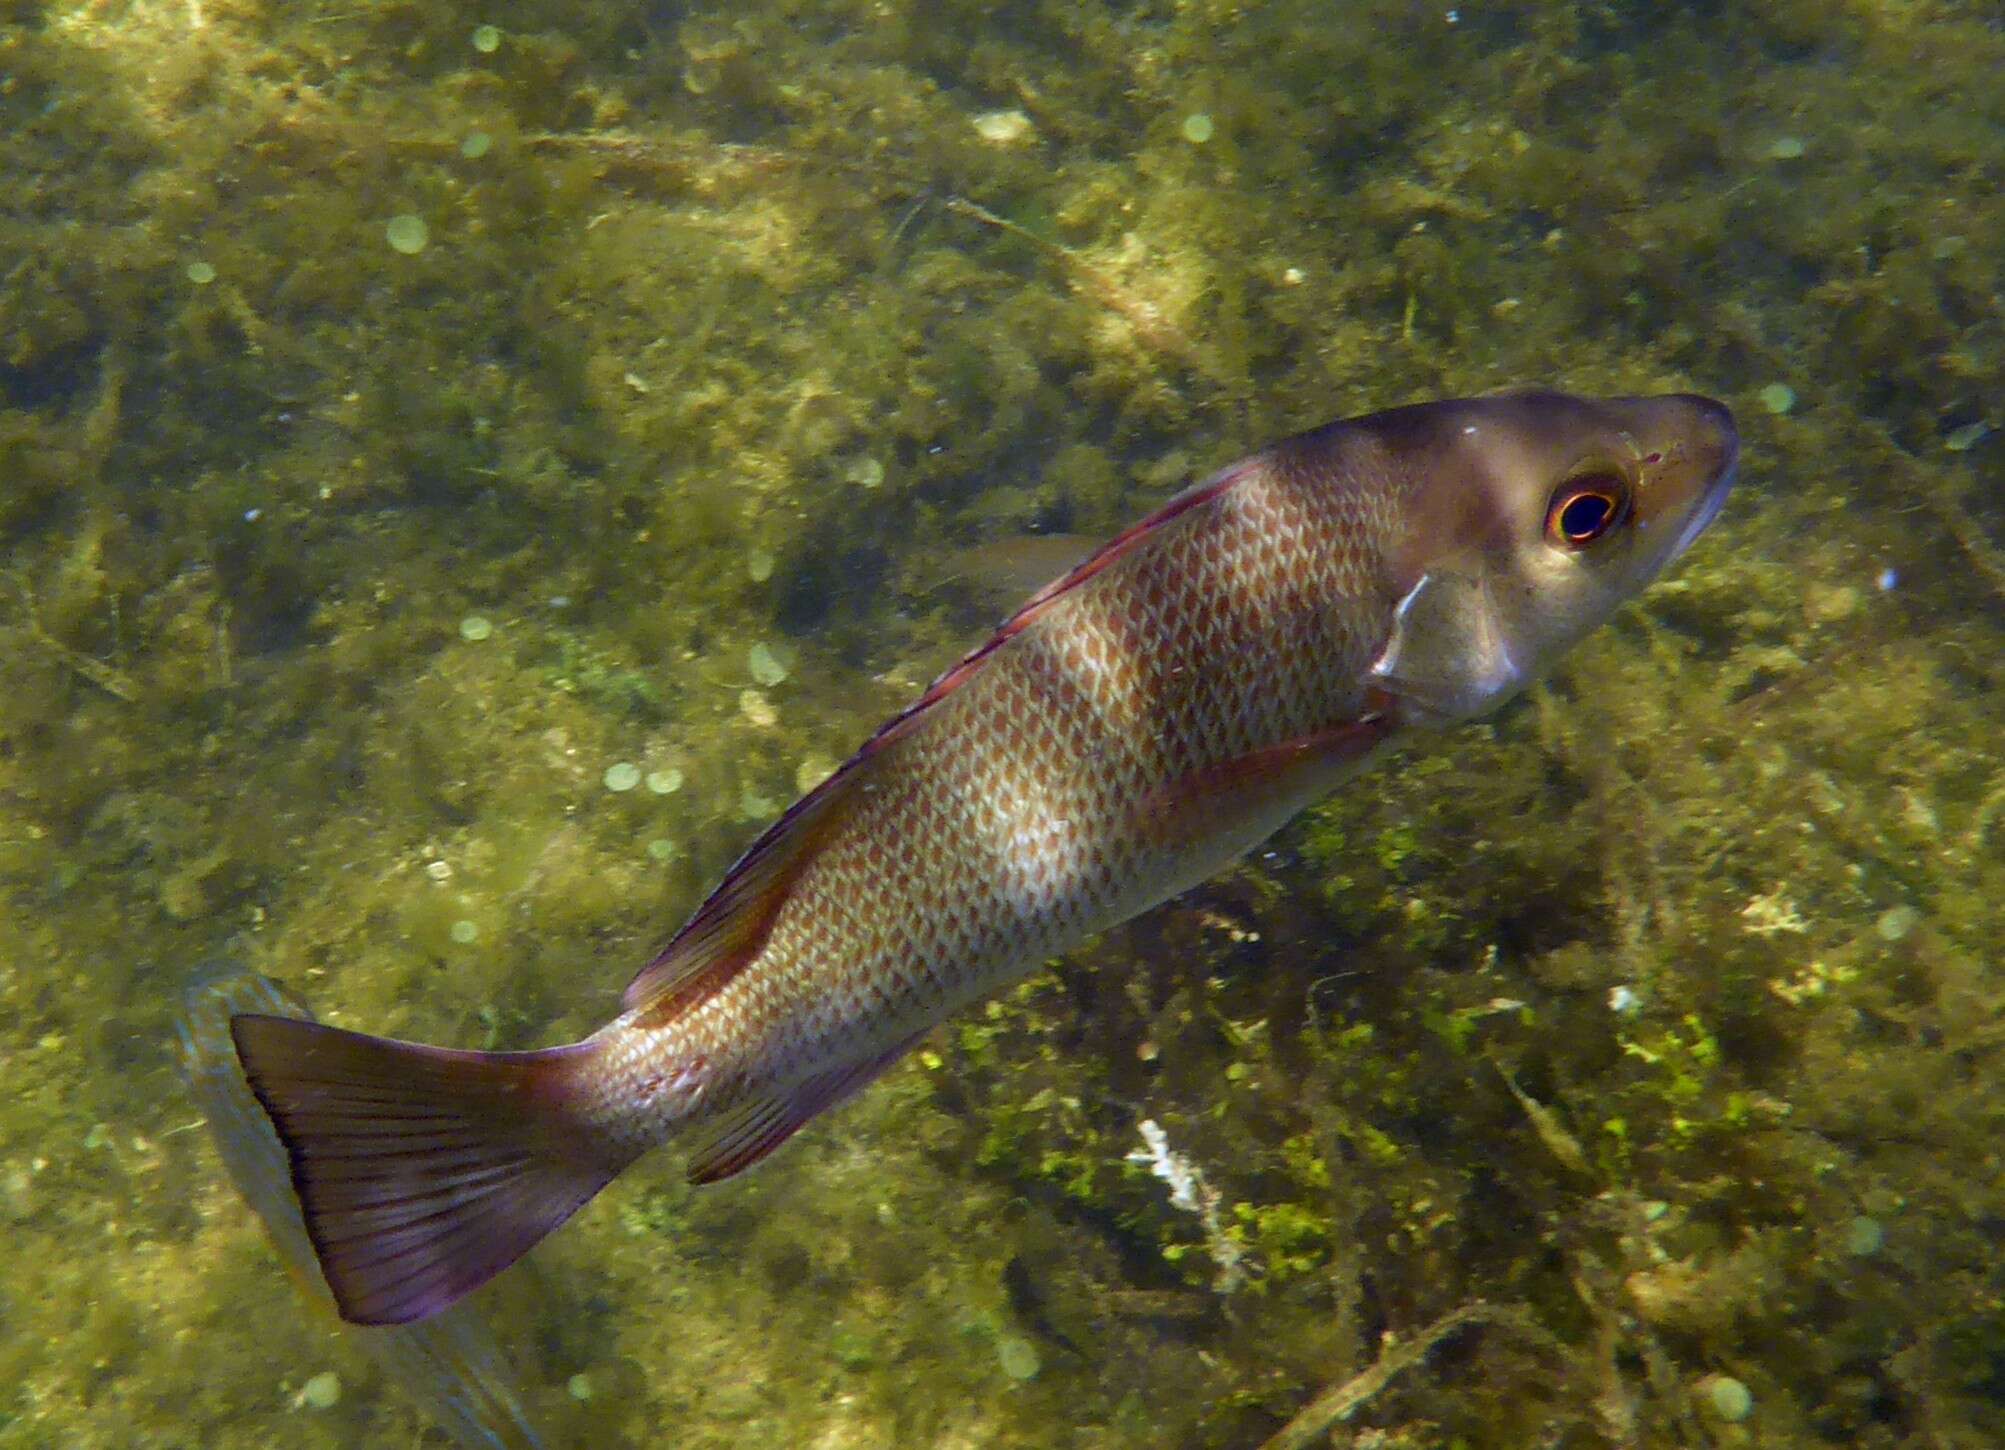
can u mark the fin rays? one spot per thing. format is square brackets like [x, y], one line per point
[421, 1172]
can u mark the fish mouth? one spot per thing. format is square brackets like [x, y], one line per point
[1725, 474]
[1708, 509]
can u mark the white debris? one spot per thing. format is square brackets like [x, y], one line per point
[1190, 1192]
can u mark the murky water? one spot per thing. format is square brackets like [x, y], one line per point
[461, 474]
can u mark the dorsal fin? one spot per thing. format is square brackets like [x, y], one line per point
[732, 924]
[1033, 608]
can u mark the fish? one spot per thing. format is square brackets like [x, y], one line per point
[449, 1365]
[1135, 726]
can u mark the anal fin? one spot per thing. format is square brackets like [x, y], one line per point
[752, 1129]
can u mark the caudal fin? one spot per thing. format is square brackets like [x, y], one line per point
[422, 1172]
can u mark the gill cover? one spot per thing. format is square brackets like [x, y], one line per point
[1530, 518]
[1449, 656]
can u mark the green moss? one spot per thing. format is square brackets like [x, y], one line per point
[578, 669]
[1286, 1239]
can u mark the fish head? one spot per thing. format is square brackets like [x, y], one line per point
[1529, 518]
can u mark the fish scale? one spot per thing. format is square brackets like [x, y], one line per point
[1135, 726]
[1162, 665]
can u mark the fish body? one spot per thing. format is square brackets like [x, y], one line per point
[1136, 725]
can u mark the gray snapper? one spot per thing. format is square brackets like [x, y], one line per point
[1135, 726]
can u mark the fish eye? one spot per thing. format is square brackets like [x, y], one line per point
[1586, 507]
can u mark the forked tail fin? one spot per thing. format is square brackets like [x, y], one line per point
[423, 1172]
[451, 1366]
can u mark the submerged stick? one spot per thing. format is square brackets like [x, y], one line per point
[1313, 1423]
[112, 681]
[1145, 317]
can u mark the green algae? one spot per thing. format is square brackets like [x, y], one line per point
[702, 347]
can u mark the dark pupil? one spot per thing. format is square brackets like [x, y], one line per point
[1585, 515]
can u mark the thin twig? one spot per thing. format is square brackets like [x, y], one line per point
[1313, 1423]
[1148, 320]
[112, 681]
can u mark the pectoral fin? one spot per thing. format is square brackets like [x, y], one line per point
[1251, 788]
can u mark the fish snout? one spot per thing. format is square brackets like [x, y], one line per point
[1716, 418]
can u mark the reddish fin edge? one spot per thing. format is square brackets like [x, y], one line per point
[732, 924]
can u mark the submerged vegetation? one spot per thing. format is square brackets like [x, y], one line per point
[1623, 1071]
